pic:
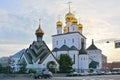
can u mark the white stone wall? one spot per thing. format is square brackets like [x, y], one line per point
[96, 55]
[48, 59]
[74, 28]
[35, 65]
[83, 61]
[59, 30]
[68, 39]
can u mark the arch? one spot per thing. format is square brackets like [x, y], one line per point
[51, 65]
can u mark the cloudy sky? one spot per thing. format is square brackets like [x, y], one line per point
[19, 20]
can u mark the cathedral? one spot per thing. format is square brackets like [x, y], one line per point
[70, 40]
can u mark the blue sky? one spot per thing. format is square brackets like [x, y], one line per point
[19, 20]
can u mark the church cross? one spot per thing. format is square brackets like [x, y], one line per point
[69, 5]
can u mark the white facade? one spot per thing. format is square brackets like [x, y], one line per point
[43, 65]
[69, 39]
[83, 62]
[69, 42]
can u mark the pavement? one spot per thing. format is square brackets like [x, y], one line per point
[101, 77]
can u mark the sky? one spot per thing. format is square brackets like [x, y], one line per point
[20, 18]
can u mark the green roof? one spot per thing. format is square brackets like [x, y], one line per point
[93, 64]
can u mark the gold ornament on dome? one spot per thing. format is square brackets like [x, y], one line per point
[74, 21]
[69, 16]
[59, 24]
[39, 32]
[65, 29]
[79, 27]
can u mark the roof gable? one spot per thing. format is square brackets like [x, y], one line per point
[18, 54]
[92, 46]
[37, 51]
[73, 48]
[64, 48]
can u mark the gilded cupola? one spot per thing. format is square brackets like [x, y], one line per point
[39, 32]
[65, 29]
[69, 16]
[59, 24]
[79, 26]
[74, 21]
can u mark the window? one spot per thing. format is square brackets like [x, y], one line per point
[57, 42]
[58, 31]
[64, 41]
[74, 58]
[82, 40]
[73, 29]
[72, 40]
[68, 29]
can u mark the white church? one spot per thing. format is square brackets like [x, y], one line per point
[70, 40]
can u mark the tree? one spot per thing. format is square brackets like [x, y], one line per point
[65, 63]
[22, 68]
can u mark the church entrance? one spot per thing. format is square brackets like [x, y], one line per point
[51, 66]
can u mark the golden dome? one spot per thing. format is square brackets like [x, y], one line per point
[79, 26]
[39, 32]
[65, 29]
[69, 16]
[59, 24]
[74, 21]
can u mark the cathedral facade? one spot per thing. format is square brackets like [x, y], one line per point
[70, 40]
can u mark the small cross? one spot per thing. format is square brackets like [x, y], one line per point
[69, 5]
[39, 22]
[59, 17]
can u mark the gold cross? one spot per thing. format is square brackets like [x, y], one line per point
[69, 5]
[59, 17]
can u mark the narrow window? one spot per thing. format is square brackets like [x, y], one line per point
[64, 41]
[73, 29]
[58, 31]
[68, 29]
[57, 42]
[72, 40]
[74, 58]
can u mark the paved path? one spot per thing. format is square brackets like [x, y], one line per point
[102, 77]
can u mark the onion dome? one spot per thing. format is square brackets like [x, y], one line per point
[59, 24]
[69, 16]
[74, 21]
[82, 50]
[79, 26]
[39, 32]
[65, 29]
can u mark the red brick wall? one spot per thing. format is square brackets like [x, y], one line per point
[111, 65]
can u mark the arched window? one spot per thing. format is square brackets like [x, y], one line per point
[64, 41]
[73, 40]
[73, 28]
[58, 31]
[57, 42]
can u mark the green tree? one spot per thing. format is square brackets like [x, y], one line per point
[65, 63]
[22, 68]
